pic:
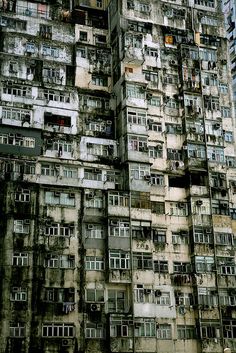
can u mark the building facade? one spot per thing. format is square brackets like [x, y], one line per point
[118, 179]
[229, 9]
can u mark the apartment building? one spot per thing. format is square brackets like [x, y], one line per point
[229, 9]
[117, 178]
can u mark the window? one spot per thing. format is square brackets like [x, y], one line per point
[210, 330]
[45, 31]
[179, 209]
[17, 140]
[138, 143]
[141, 230]
[225, 112]
[133, 41]
[59, 261]
[83, 36]
[142, 261]
[60, 295]
[159, 236]
[47, 50]
[158, 207]
[52, 75]
[22, 115]
[135, 91]
[70, 172]
[59, 229]
[154, 101]
[94, 231]
[136, 117]
[120, 327]
[95, 201]
[164, 332]
[60, 198]
[145, 329]
[20, 259]
[172, 103]
[118, 199]
[154, 126]
[93, 174]
[30, 47]
[227, 266]
[155, 151]
[215, 154]
[20, 91]
[99, 3]
[94, 263]
[49, 169]
[181, 238]
[58, 330]
[22, 226]
[140, 199]
[17, 331]
[185, 299]
[139, 171]
[229, 328]
[99, 80]
[56, 96]
[223, 238]
[174, 129]
[207, 297]
[18, 294]
[13, 67]
[94, 295]
[196, 151]
[228, 136]
[117, 300]
[227, 298]
[207, 54]
[182, 267]
[171, 79]
[153, 52]
[94, 330]
[61, 146]
[150, 76]
[186, 332]
[210, 21]
[203, 236]
[100, 39]
[119, 228]
[143, 27]
[157, 179]
[204, 263]
[223, 88]
[160, 266]
[119, 260]
[173, 154]
[22, 195]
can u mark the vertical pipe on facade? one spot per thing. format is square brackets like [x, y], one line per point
[210, 195]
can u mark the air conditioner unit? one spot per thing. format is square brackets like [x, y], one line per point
[199, 202]
[95, 307]
[57, 166]
[57, 193]
[184, 232]
[114, 223]
[208, 231]
[157, 293]
[26, 221]
[97, 170]
[19, 136]
[71, 290]
[11, 135]
[222, 176]
[193, 129]
[67, 342]
[185, 147]
[217, 126]
[90, 195]
[147, 177]
[109, 122]
[72, 195]
[224, 205]
[90, 226]
[89, 145]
